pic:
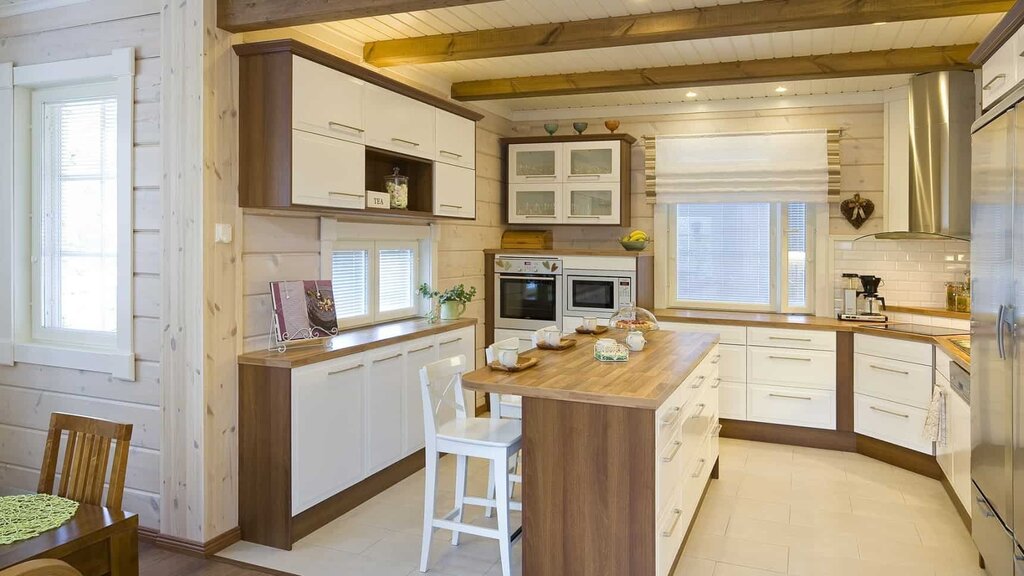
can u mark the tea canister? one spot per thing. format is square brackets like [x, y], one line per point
[397, 187]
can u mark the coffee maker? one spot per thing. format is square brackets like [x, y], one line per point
[862, 305]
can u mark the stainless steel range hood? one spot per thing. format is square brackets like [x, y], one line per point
[942, 108]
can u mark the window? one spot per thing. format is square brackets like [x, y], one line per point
[374, 281]
[746, 256]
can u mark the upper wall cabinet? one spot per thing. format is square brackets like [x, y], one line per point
[1001, 59]
[318, 132]
[591, 172]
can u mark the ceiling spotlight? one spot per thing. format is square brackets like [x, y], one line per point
[878, 23]
[691, 94]
[781, 89]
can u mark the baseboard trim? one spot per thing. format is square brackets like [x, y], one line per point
[965, 516]
[791, 435]
[252, 567]
[912, 460]
[191, 547]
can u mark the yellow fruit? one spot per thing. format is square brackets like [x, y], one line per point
[638, 236]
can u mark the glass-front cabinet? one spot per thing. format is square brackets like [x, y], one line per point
[535, 203]
[591, 203]
[532, 163]
[592, 161]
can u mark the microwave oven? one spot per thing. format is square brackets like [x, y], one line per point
[597, 293]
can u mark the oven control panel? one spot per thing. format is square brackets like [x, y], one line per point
[527, 266]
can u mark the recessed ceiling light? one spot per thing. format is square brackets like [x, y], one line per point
[878, 23]
[691, 94]
[781, 89]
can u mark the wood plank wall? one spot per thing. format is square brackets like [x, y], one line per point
[30, 393]
[861, 154]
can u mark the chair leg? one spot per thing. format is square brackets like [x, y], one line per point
[491, 471]
[460, 494]
[430, 483]
[504, 534]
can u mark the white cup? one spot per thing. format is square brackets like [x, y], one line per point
[508, 357]
[551, 337]
[589, 323]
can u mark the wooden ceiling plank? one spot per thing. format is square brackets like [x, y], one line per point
[906, 61]
[747, 18]
[252, 15]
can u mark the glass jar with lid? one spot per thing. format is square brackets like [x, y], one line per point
[397, 187]
[632, 317]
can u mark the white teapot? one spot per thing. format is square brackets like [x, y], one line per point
[635, 340]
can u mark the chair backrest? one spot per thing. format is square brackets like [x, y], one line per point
[46, 567]
[491, 351]
[86, 457]
[443, 400]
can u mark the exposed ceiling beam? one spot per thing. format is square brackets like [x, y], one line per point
[251, 15]
[905, 61]
[710, 22]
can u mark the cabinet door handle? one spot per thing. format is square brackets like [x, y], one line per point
[994, 79]
[427, 347]
[797, 358]
[392, 357]
[540, 177]
[403, 141]
[717, 359]
[452, 341]
[890, 412]
[333, 124]
[676, 515]
[789, 396]
[699, 382]
[718, 382]
[696, 473]
[456, 206]
[718, 428]
[452, 154]
[349, 369]
[349, 194]
[590, 176]
[675, 450]
[549, 216]
[585, 217]
[893, 370]
[674, 411]
[700, 410]
[789, 338]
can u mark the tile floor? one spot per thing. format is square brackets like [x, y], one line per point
[775, 510]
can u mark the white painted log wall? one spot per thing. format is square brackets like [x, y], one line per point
[29, 393]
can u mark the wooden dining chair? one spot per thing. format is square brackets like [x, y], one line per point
[86, 456]
[41, 568]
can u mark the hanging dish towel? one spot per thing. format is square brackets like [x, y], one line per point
[935, 421]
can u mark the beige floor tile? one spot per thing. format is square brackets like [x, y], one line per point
[723, 569]
[810, 539]
[856, 525]
[690, 566]
[804, 564]
[736, 551]
[891, 552]
[748, 507]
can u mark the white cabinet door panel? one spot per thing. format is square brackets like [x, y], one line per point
[959, 417]
[535, 203]
[916, 352]
[418, 353]
[596, 203]
[733, 400]
[456, 139]
[894, 423]
[385, 390]
[592, 161]
[326, 102]
[998, 74]
[793, 406]
[454, 191]
[533, 163]
[893, 380]
[327, 172]
[398, 123]
[792, 367]
[944, 454]
[790, 338]
[732, 364]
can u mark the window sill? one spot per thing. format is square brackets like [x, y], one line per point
[120, 365]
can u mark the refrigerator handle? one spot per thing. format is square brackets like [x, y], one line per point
[999, 332]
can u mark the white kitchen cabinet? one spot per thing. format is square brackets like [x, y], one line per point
[327, 171]
[792, 367]
[894, 380]
[733, 400]
[327, 429]
[999, 74]
[790, 338]
[398, 123]
[597, 161]
[385, 388]
[593, 203]
[454, 191]
[892, 422]
[731, 363]
[535, 203]
[326, 101]
[418, 353]
[894, 349]
[793, 406]
[944, 453]
[533, 163]
[456, 139]
[958, 416]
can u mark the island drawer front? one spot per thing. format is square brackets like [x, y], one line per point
[787, 367]
[670, 416]
[894, 423]
[699, 420]
[732, 399]
[670, 468]
[893, 380]
[892, 348]
[788, 338]
[671, 528]
[793, 406]
[732, 363]
[727, 334]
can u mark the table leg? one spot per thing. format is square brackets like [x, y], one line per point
[124, 553]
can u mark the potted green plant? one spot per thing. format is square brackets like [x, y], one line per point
[450, 304]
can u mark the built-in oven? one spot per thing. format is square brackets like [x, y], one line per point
[597, 293]
[528, 293]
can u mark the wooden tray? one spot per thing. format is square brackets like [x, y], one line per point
[524, 363]
[598, 330]
[565, 344]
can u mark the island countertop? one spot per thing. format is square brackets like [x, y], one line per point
[574, 375]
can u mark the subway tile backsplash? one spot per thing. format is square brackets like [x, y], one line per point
[914, 272]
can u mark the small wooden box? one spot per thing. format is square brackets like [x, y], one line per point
[527, 240]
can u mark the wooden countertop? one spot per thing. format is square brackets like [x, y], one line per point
[762, 319]
[353, 342]
[574, 375]
[953, 351]
[937, 312]
[569, 252]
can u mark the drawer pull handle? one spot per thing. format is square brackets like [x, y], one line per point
[349, 194]
[676, 514]
[718, 382]
[456, 206]
[452, 341]
[893, 370]
[718, 428]
[789, 338]
[890, 412]
[699, 382]
[349, 369]
[333, 124]
[539, 216]
[696, 473]
[584, 217]
[672, 416]
[543, 176]
[392, 357]
[994, 79]
[797, 358]
[717, 359]
[700, 410]
[452, 154]
[675, 450]
[427, 347]
[404, 141]
[789, 396]
[589, 176]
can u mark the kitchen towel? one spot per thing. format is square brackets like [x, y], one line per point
[935, 421]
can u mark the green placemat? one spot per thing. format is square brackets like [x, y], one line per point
[22, 517]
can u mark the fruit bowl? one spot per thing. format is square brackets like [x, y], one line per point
[634, 245]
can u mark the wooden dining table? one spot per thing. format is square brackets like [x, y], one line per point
[97, 541]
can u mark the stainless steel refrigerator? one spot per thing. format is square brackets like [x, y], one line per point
[997, 359]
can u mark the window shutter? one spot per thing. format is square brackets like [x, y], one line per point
[349, 272]
[396, 270]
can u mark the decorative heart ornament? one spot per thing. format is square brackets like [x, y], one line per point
[857, 210]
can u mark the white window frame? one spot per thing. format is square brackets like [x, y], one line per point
[19, 340]
[779, 286]
[346, 235]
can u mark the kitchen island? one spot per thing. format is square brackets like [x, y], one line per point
[617, 456]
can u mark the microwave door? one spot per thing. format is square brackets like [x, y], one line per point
[593, 294]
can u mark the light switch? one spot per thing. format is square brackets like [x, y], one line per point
[222, 233]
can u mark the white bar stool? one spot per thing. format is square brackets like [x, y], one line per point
[448, 430]
[504, 406]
